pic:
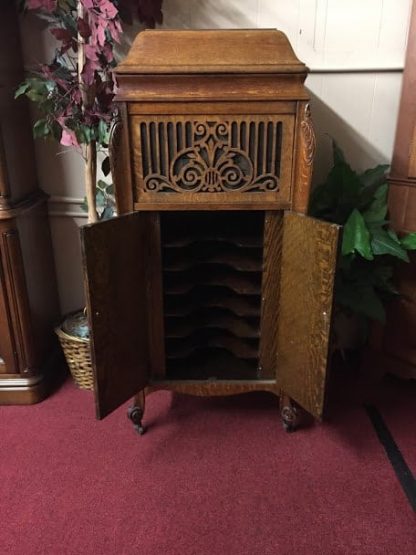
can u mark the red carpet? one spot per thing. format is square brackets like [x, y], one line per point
[210, 477]
[398, 403]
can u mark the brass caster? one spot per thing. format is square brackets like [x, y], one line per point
[289, 414]
[135, 414]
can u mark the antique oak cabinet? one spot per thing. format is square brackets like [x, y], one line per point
[28, 294]
[211, 281]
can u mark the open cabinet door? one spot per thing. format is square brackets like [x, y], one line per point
[115, 257]
[309, 255]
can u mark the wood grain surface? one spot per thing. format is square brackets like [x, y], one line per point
[120, 161]
[305, 153]
[115, 255]
[200, 156]
[155, 297]
[208, 102]
[215, 388]
[273, 229]
[211, 51]
[308, 265]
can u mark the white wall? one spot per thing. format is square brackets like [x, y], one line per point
[354, 48]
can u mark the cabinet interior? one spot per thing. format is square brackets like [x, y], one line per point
[212, 277]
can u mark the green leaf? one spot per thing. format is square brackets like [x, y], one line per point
[85, 134]
[21, 89]
[35, 88]
[100, 199]
[349, 187]
[67, 5]
[382, 192]
[391, 233]
[84, 205]
[377, 211]
[102, 185]
[356, 237]
[335, 199]
[382, 279]
[50, 86]
[69, 22]
[338, 155]
[36, 95]
[322, 202]
[56, 131]
[408, 242]
[372, 181]
[383, 243]
[103, 132]
[374, 176]
[41, 129]
[107, 213]
[361, 299]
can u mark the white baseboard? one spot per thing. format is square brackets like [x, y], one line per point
[66, 207]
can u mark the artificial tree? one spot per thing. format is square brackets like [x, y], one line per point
[74, 92]
[74, 96]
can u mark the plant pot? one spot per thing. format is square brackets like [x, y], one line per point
[76, 347]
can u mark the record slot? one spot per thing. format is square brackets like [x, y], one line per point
[212, 275]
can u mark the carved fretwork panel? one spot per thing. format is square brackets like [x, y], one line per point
[212, 155]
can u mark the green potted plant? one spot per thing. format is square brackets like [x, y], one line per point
[74, 97]
[370, 248]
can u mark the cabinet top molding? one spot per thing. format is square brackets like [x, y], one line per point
[211, 51]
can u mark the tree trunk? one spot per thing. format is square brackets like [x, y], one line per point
[91, 180]
[90, 151]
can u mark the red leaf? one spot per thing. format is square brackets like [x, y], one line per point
[84, 28]
[91, 52]
[108, 9]
[98, 33]
[69, 138]
[62, 34]
[48, 5]
[107, 52]
[88, 71]
[76, 96]
[114, 29]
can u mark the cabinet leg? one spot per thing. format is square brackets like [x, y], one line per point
[136, 412]
[289, 413]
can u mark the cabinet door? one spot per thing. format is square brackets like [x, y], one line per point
[309, 254]
[115, 255]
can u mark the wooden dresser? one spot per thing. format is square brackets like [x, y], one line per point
[212, 281]
[393, 348]
[28, 295]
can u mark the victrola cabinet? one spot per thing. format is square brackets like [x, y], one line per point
[211, 281]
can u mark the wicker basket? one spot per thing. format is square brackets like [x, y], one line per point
[78, 357]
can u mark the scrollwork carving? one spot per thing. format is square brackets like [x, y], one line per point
[307, 146]
[211, 162]
[308, 137]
